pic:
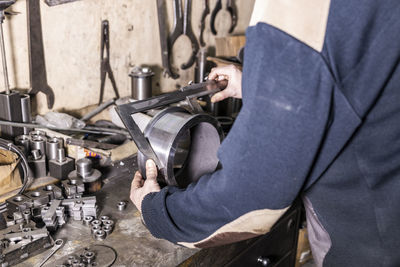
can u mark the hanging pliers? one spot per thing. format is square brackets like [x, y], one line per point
[105, 67]
[182, 26]
[231, 8]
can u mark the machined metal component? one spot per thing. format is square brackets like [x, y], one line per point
[100, 235]
[23, 141]
[96, 223]
[38, 142]
[141, 83]
[10, 110]
[37, 133]
[185, 144]
[81, 207]
[201, 62]
[26, 111]
[37, 163]
[85, 172]
[27, 214]
[121, 205]
[53, 191]
[18, 203]
[87, 220]
[54, 215]
[108, 223]
[61, 166]
[95, 255]
[38, 198]
[89, 256]
[104, 218]
[52, 146]
[73, 187]
[107, 229]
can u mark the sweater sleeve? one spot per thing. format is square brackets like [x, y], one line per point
[267, 156]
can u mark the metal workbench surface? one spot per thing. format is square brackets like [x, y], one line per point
[134, 244]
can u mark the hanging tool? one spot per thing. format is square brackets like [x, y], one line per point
[206, 11]
[57, 244]
[162, 22]
[37, 65]
[231, 8]
[182, 26]
[105, 67]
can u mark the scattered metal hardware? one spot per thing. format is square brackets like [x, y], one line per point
[100, 235]
[26, 174]
[37, 65]
[121, 205]
[182, 26]
[141, 83]
[27, 214]
[85, 172]
[38, 142]
[96, 223]
[105, 67]
[23, 141]
[95, 228]
[108, 223]
[73, 187]
[165, 48]
[26, 110]
[54, 215]
[58, 2]
[206, 11]
[37, 133]
[61, 166]
[37, 162]
[107, 229]
[231, 8]
[53, 191]
[104, 218]
[52, 146]
[189, 92]
[96, 255]
[10, 101]
[22, 241]
[187, 150]
[98, 109]
[57, 245]
[79, 208]
[87, 220]
[89, 144]
[18, 203]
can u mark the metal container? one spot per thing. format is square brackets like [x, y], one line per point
[141, 83]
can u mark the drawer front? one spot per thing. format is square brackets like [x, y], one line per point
[275, 249]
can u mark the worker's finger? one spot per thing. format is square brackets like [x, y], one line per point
[151, 170]
[137, 181]
[220, 96]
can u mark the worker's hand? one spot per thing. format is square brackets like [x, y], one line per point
[140, 187]
[234, 77]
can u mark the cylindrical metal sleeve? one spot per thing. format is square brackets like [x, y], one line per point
[38, 142]
[141, 83]
[26, 110]
[52, 146]
[84, 167]
[23, 140]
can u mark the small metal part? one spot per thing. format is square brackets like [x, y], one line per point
[121, 205]
[100, 235]
[37, 133]
[87, 220]
[90, 144]
[37, 163]
[107, 229]
[52, 146]
[38, 142]
[53, 191]
[89, 256]
[38, 198]
[24, 141]
[104, 218]
[27, 214]
[18, 203]
[95, 228]
[10, 110]
[61, 166]
[26, 111]
[201, 62]
[141, 83]
[96, 223]
[79, 208]
[73, 187]
[57, 244]
[108, 223]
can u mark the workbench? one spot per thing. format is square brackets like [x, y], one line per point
[135, 246]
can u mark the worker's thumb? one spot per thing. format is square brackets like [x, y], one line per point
[151, 170]
[220, 96]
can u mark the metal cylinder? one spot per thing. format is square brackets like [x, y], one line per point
[141, 83]
[185, 144]
[36, 154]
[24, 141]
[60, 157]
[84, 167]
[52, 146]
[26, 111]
[201, 62]
[38, 142]
[37, 133]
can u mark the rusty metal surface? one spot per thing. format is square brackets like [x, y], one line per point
[134, 244]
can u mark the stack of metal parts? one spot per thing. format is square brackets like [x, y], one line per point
[73, 188]
[87, 174]
[101, 228]
[80, 207]
[21, 241]
[54, 215]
